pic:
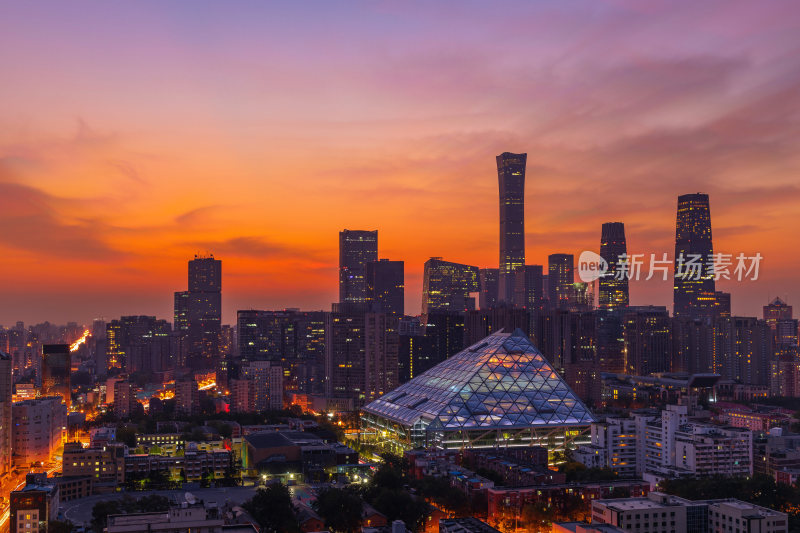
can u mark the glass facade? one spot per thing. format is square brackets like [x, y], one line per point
[502, 383]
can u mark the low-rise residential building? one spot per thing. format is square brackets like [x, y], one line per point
[34, 506]
[660, 513]
[184, 519]
[613, 446]
[655, 446]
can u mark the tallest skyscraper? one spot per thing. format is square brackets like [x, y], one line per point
[511, 178]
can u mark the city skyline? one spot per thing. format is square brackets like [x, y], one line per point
[190, 148]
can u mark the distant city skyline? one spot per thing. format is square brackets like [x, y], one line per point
[230, 133]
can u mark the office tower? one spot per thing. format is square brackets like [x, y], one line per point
[56, 370]
[694, 266]
[511, 178]
[648, 342]
[528, 292]
[356, 249]
[381, 350]
[204, 311]
[6, 391]
[776, 310]
[614, 250]
[386, 286]
[140, 344]
[488, 286]
[181, 312]
[448, 286]
[561, 277]
[722, 304]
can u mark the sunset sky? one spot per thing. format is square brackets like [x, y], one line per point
[136, 134]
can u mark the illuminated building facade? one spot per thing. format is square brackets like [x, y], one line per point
[500, 391]
[140, 343]
[181, 312]
[356, 249]
[448, 286]
[694, 288]
[613, 249]
[560, 278]
[6, 396]
[204, 311]
[386, 286]
[38, 429]
[511, 179]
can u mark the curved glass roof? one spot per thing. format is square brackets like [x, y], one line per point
[503, 381]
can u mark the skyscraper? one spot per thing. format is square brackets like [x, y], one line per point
[5, 414]
[56, 370]
[356, 249]
[511, 178]
[488, 284]
[386, 285]
[447, 286]
[613, 287]
[181, 312]
[561, 277]
[204, 311]
[528, 292]
[694, 266]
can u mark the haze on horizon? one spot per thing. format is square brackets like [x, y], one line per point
[133, 136]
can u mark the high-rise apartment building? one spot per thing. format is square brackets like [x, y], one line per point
[39, 428]
[529, 290]
[6, 393]
[381, 349]
[204, 311]
[648, 341]
[356, 249]
[694, 286]
[56, 370]
[511, 179]
[448, 286]
[561, 277]
[140, 343]
[488, 286]
[181, 312]
[614, 284]
[386, 286]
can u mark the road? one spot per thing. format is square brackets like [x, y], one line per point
[79, 512]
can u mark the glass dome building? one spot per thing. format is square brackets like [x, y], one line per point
[499, 392]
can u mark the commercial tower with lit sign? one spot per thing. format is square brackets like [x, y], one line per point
[511, 178]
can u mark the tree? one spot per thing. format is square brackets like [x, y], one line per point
[272, 509]
[340, 508]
